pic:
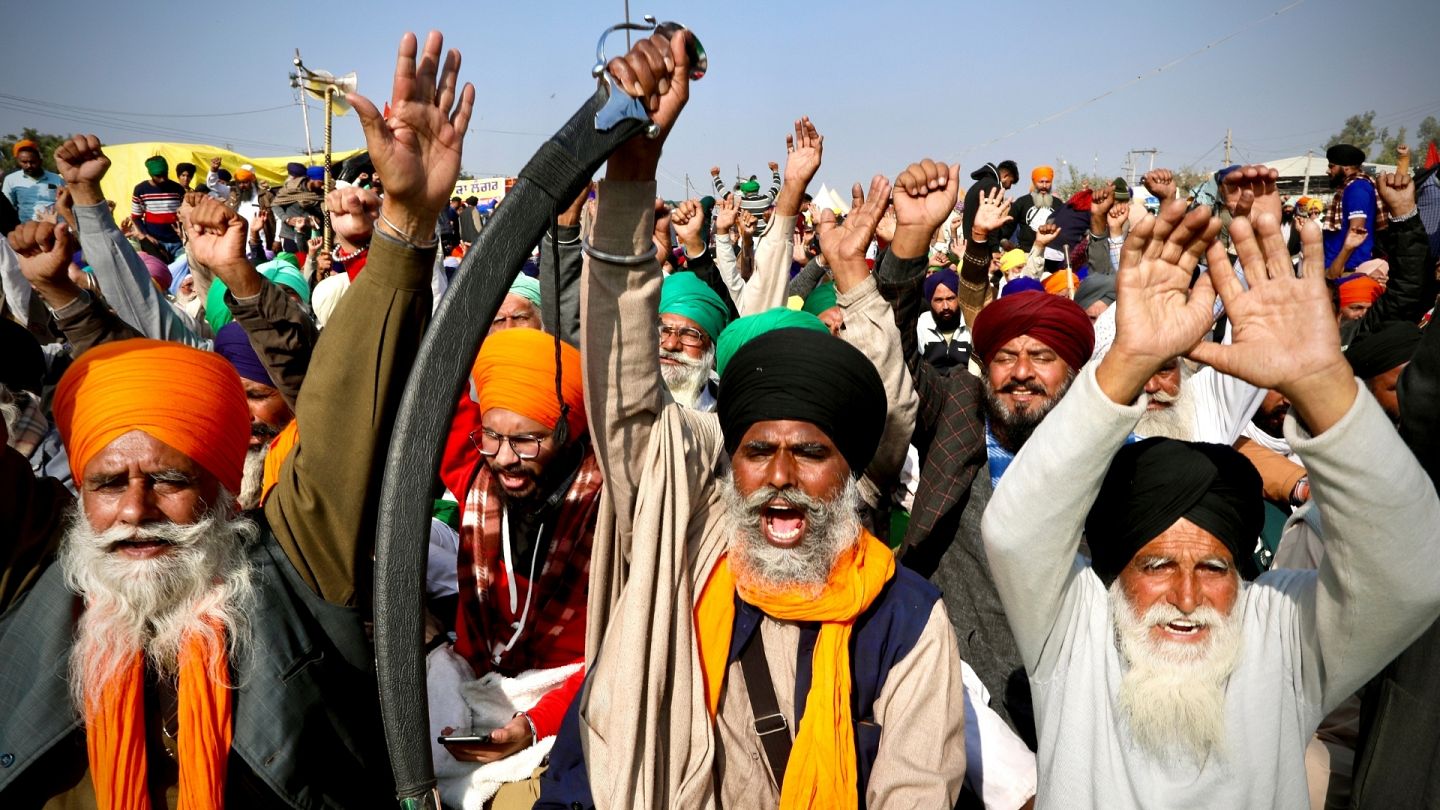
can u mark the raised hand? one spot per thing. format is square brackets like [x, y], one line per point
[725, 212]
[1283, 327]
[656, 71]
[748, 223]
[44, 251]
[1157, 315]
[714, 171]
[1355, 237]
[82, 163]
[885, 231]
[924, 197]
[1117, 217]
[1045, 234]
[687, 218]
[215, 164]
[1251, 191]
[1402, 159]
[570, 217]
[65, 205]
[774, 167]
[992, 213]
[417, 149]
[1101, 201]
[1397, 192]
[353, 211]
[217, 242]
[1161, 183]
[804, 150]
[844, 245]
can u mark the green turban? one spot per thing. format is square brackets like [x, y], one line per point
[527, 288]
[277, 270]
[684, 294]
[820, 299]
[157, 166]
[750, 187]
[742, 331]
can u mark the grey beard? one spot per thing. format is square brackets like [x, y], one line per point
[1175, 422]
[1172, 695]
[832, 527]
[152, 606]
[688, 379]
[1016, 426]
[1043, 199]
[253, 480]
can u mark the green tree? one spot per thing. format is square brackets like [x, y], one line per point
[1389, 147]
[1359, 131]
[48, 144]
[1429, 131]
[1065, 189]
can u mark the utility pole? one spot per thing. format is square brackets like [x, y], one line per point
[1305, 192]
[1130, 161]
[304, 107]
[1227, 146]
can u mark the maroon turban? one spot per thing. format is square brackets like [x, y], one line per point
[1053, 320]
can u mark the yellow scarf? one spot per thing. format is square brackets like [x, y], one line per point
[821, 771]
[115, 732]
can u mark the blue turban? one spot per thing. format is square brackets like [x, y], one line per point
[947, 277]
[232, 342]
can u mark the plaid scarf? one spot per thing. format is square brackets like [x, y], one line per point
[1334, 219]
[484, 621]
[31, 426]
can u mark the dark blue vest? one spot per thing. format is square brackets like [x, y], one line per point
[882, 636]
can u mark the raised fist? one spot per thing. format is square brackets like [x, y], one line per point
[353, 211]
[1161, 183]
[44, 250]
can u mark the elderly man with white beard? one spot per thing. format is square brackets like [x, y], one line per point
[166, 651]
[691, 318]
[1165, 673]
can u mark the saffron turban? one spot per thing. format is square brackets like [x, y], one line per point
[1375, 353]
[244, 175]
[22, 145]
[189, 399]
[684, 294]
[935, 279]
[1360, 290]
[1060, 281]
[1153, 483]
[807, 376]
[1042, 173]
[516, 371]
[1055, 321]
[743, 330]
[232, 342]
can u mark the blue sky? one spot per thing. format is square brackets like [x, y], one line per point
[885, 82]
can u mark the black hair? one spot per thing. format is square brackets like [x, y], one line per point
[1009, 166]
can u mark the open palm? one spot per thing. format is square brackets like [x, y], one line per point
[1157, 314]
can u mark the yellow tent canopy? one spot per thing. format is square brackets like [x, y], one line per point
[127, 166]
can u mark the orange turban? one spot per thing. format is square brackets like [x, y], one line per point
[242, 175]
[189, 399]
[1059, 282]
[1360, 290]
[22, 145]
[1042, 172]
[516, 371]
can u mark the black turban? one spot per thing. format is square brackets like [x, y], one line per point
[1343, 154]
[1375, 353]
[1155, 482]
[807, 376]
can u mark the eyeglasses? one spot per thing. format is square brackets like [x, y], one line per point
[688, 335]
[488, 443]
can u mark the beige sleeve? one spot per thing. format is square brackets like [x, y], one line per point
[921, 711]
[766, 288]
[870, 327]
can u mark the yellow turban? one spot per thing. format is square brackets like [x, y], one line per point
[516, 371]
[1013, 260]
[189, 399]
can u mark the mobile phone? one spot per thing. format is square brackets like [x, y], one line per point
[459, 738]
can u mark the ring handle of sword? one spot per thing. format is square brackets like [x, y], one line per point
[619, 106]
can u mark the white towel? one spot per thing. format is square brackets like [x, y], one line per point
[459, 700]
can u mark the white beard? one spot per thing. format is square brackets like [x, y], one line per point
[1175, 422]
[1172, 695]
[151, 606]
[253, 480]
[688, 379]
[832, 528]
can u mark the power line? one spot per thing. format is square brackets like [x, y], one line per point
[1143, 76]
[135, 127]
[143, 115]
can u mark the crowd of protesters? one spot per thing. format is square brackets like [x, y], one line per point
[953, 497]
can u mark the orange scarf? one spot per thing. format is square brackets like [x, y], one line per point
[821, 771]
[115, 732]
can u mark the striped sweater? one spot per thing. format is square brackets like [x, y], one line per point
[156, 209]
